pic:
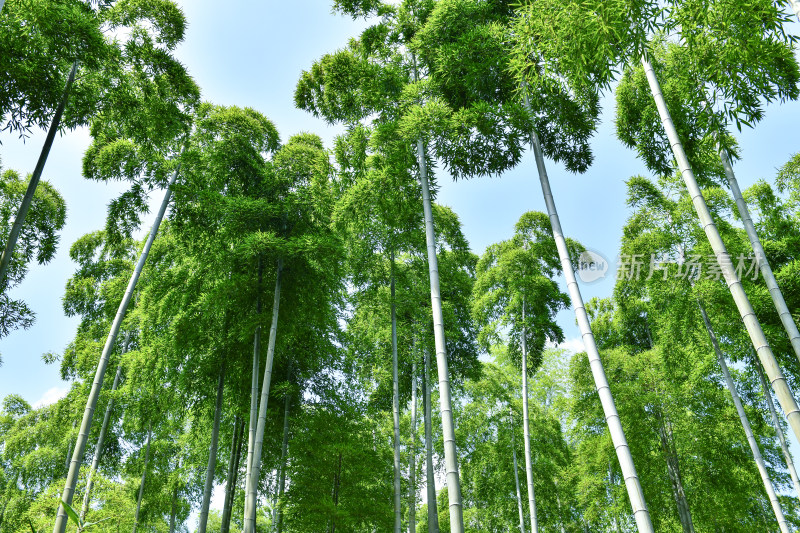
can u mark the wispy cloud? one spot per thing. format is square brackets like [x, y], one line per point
[51, 396]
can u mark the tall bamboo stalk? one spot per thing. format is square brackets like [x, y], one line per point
[251, 432]
[445, 402]
[776, 423]
[412, 450]
[751, 440]
[212, 456]
[91, 402]
[144, 475]
[632, 484]
[398, 518]
[98, 449]
[516, 472]
[173, 510]
[252, 493]
[761, 256]
[16, 228]
[526, 436]
[282, 473]
[233, 469]
[757, 337]
[430, 483]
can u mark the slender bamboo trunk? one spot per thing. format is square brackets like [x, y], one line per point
[252, 494]
[282, 473]
[91, 402]
[632, 484]
[412, 451]
[2, 3]
[398, 518]
[16, 228]
[144, 475]
[173, 510]
[69, 449]
[430, 483]
[445, 402]
[98, 449]
[761, 257]
[778, 429]
[751, 440]
[674, 473]
[251, 434]
[526, 429]
[229, 486]
[212, 456]
[233, 477]
[516, 473]
[759, 340]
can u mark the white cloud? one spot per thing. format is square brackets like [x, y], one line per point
[572, 345]
[50, 396]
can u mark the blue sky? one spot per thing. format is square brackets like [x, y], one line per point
[251, 53]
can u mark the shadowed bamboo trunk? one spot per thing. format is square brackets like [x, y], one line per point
[232, 464]
[776, 423]
[251, 432]
[746, 312]
[632, 484]
[674, 473]
[144, 475]
[526, 436]
[233, 476]
[91, 402]
[212, 456]
[98, 449]
[412, 450]
[445, 402]
[173, 510]
[395, 409]
[761, 257]
[16, 228]
[255, 471]
[430, 483]
[751, 440]
[516, 473]
[284, 450]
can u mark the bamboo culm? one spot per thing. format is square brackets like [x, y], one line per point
[412, 452]
[430, 484]
[98, 449]
[776, 423]
[212, 456]
[751, 440]
[251, 432]
[144, 476]
[282, 474]
[395, 408]
[746, 312]
[516, 472]
[255, 471]
[632, 483]
[761, 256]
[91, 402]
[233, 475]
[526, 429]
[16, 228]
[445, 402]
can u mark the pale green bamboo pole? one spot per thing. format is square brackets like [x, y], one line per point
[778, 429]
[252, 495]
[16, 228]
[516, 473]
[144, 475]
[526, 434]
[632, 484]
[430, 484]
[761, 256]
[87, 496]
[212, 456]
[398, 518]
[746, 312]
[412, 450]
[751, 440]
[91, 402]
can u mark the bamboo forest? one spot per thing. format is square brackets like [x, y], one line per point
[399, 266]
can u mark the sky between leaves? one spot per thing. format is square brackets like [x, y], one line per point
[251, 53]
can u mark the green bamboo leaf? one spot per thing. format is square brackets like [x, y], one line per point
[72, 514]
